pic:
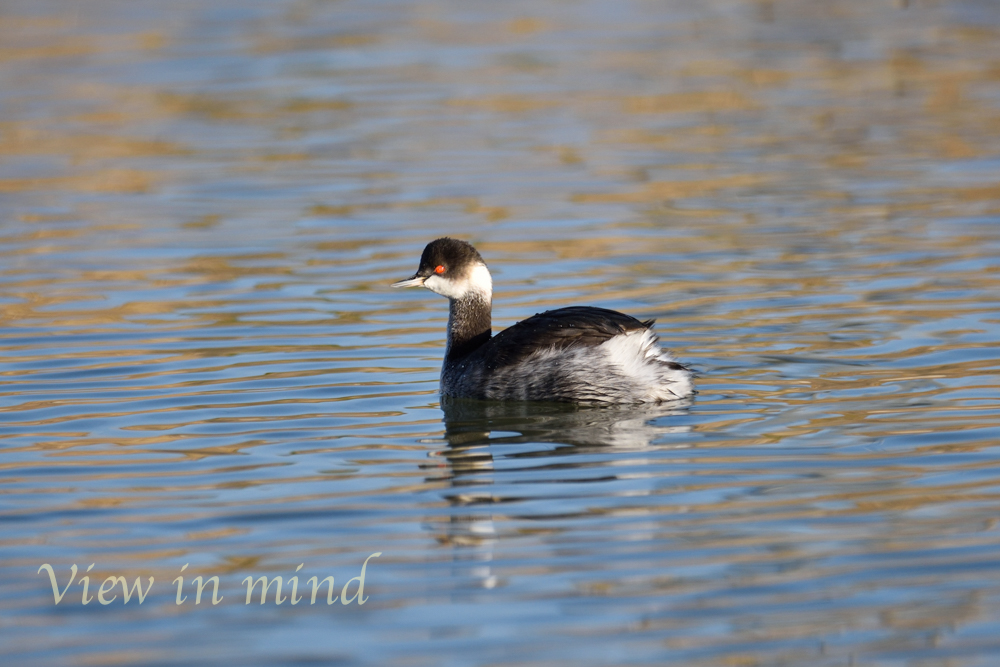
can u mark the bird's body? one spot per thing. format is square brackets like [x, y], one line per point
[578, 354]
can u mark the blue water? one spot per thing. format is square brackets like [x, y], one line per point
[201, 363]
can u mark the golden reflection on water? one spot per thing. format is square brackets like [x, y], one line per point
[202, 363]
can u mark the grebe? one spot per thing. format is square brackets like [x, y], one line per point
[579, 354]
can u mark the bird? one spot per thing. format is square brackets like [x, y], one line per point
[577, 354]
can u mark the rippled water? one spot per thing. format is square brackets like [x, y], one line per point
[202, 206]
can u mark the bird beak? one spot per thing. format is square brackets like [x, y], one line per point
[415, 281]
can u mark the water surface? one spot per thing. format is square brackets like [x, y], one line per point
[202, 206]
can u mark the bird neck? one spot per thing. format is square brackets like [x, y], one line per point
[469, 324]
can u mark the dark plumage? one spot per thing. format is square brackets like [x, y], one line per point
[580, 353]
[561, 329]
[449, 253]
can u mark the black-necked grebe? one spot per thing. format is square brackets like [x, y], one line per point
[578, 354]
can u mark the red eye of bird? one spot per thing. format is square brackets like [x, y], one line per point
[439, 269]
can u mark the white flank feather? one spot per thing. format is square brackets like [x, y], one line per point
[639, 356]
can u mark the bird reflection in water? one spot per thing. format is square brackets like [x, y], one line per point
[475, 432]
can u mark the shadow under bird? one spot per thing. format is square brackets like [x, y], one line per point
[579, 354]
